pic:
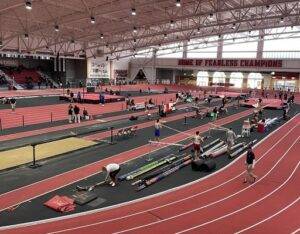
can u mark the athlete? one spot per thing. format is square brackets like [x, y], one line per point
[157, 127]
[197, 144]
[230, 138]
[250, 159]
[111, 170]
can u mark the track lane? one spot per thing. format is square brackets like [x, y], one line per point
[112, 214]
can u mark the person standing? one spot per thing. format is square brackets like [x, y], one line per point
[13, 104]
[230, 138]
[77, 113]
[197, 144]
[71, 113]
[111, 170]
[79, 97]
[250, 160]
[157, 127]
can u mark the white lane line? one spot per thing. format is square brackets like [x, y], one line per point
[245, 207]
[178, 201]
[215, 202]
[270, 217]
[296, 232]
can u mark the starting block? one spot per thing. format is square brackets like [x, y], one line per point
[84, 197]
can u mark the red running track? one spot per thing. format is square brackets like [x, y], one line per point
[43, 114]
[31, 191]
[208, 206]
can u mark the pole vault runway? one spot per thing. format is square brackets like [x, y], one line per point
[206, 206]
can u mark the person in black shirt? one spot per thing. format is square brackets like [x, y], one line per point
[70, 113]
[250, 157]
[77, 114]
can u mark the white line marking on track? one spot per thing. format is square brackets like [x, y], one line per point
[152, 209]
[270, 217]
[144, 198]
[297, 231]
[245, 207]
[215, 202]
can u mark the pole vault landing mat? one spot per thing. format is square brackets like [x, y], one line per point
[84, 197]
[20, 156]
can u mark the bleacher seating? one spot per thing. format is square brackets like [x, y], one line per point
[22, 76]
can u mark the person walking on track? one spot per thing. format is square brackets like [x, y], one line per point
[250, 160]
[112, 170]
[197, 144]
[157, 127]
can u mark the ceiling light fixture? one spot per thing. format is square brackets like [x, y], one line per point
[211, 15]
[56, 28]
[134, 29]
[281, 20]
[165, 35]
[267, 8]
[172, 23]
[133, 11]
[101, 36]
[26, 35]
[28, 5]
[178, 4]
[93, 20]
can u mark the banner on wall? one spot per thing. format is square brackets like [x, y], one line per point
[260, 63]
[97, 69]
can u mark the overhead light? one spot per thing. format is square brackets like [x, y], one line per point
[293, 78]
[272, 73]
[133, 11]
[178, 4]
[219, 36]
[72, 41]
[134, 40]
[106, 45]
[26, 35]
[233, 26]
[134, 29]
[172, 23]
[106, 58]
[267, 8]
[56, 28]
[1, 43]
[211, 15]
[198, 30]
[281, 20]
[249, 32]
[283, 77]
[28, 5]
[292, 27]
[93, 20]
[165, 35]
[101, 36]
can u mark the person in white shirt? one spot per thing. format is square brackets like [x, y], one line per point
[197, 144]
[112, 170]
[231, 137]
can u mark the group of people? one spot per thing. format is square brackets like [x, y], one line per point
[74, 114]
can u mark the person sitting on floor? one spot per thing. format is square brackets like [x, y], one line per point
[85, 114]
[112, 171]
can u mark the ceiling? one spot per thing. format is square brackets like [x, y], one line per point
[157, 22]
